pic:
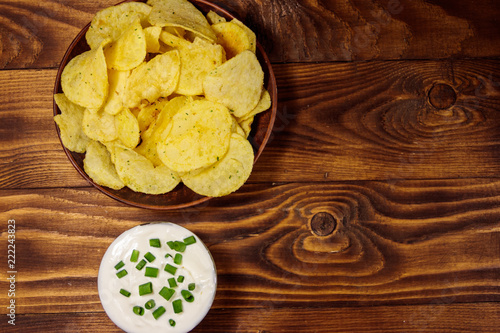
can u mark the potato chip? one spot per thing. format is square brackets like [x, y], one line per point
[227, 175]
[251, 35]
[152, 39]
[84, 80]
[99, 126]
[237, 83]
[172, 40]
[246, 126]
[147, 147]
[213, 17]
[127, 128]
[98, 166]
[263, 105]
[153, 79]
[140, 175]
[111, 22]
[236, 128]
[233, 38]
[197, 59]
[176, 31]
[69, 122]
[129, 50]
[148, 115]
[196, 137]
[180, 13]
[117, 81]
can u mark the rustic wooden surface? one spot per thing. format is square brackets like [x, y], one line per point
[375, 207]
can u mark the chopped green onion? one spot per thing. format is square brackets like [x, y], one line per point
[149, 257]
[191, 286]
[121, 273]
[146, 288]
[178, 259]
[177, 305]
[171, 322]
[134, 256]
[159, 312]
[172, 283]
[150, 304]
[180, 246]
[180, 279]
[168, 255]
[189, 240]
[138, 310]
[171, 269]
[151, 272]
[141, 264]
[154, 242]
[166, 293]
[119, 265]
[125, 293]
[177, 246]
[187, 296]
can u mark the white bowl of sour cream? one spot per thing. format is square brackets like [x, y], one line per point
[157, 277]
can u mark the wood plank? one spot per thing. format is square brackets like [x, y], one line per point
[37, 35]
[376, 120]
[31, 154]
[357, 121]
[409, 242]
[434, 317]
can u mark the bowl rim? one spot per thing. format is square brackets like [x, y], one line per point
[271, 87]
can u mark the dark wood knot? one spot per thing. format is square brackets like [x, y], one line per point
[442, 96]
[323, 224]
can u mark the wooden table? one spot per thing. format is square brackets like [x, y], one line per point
[375, 206]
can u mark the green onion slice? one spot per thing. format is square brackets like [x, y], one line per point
[177, 305]
[166, 293]
[171, 269]
[159, 312]
[188, 297]
[149, 257]
[138, 310]
[171, 322]
[178, 259]
[177, 246]
[119, 265]
[134, 256]
[191, 286]
[172, 283]
[180, 246]
[121, 273]
[189, 240]
[151, 272]
[150, 304]
[141, 264]
[125, 293]
[154, 242]
[180, 279]
[146, 288]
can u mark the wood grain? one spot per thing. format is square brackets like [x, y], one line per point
[355, 121]
[434, 317]
[37, 35]
[411, 242]
[375, 121]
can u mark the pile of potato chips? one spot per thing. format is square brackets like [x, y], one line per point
[165, 95]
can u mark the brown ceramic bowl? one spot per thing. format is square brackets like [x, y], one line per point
[181, 196]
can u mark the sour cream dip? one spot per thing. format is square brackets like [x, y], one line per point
[176, 267]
